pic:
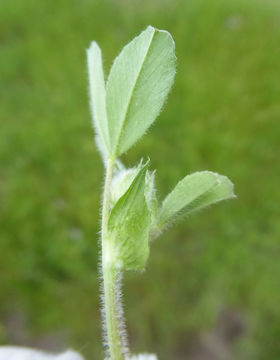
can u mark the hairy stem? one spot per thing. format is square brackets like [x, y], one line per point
[114, 329]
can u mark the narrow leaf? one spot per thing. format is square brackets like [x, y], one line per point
[138, 84]
[194, 192]
[151, 197]
[129, 225]
[97, 97]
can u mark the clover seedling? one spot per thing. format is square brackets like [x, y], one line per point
[123, 109]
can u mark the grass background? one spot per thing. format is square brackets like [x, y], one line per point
[222, 115]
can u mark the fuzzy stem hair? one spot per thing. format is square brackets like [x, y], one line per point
[114, 325]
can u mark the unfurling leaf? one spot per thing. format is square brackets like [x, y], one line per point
[97, 97]
[129, 226]
[121, 182]
[194, 192]
[139, 81]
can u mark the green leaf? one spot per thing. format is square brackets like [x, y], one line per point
[138, 84]
[121, 182]
[223, 190]
[97, 97]
[129, 225]
[194, 192]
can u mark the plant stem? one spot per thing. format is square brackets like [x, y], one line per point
[112, 310]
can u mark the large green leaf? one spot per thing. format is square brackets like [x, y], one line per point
[138, 84]
[129, 226]
[97, 97]
[194, 192]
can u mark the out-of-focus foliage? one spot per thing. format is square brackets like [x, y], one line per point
[223, 114]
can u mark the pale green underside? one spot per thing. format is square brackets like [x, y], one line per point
[98, 97]
[139, 81]
[194, 192]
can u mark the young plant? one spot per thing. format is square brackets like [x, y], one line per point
[122, 110]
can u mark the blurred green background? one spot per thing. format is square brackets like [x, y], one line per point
[212, 284]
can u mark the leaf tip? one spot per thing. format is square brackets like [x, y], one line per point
[167, 33]
[93, 46]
